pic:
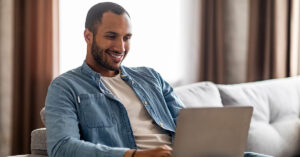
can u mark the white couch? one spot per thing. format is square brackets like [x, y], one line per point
[275, 124]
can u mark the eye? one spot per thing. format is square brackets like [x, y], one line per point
[111, 37]
[127, 37]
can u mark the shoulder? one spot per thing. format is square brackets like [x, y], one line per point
[147, 71]
[69, 79]
[144, 75]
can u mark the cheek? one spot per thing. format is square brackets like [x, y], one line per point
[104, 44]
[127, 46]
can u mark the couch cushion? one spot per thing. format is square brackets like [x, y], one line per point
[199, 95]
[275, 124]
[38, 142]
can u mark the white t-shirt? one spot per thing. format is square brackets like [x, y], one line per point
[147, 134]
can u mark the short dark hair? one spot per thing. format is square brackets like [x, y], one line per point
[94, 15]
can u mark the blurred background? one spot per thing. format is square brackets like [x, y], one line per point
[187, 41]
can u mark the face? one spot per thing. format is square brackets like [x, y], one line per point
[111, 43]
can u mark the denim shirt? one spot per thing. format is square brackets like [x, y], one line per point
[83, 118]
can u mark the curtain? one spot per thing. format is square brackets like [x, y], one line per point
[33, 67]
[266, 47]
[212, 64]
[6, 51]
[273, 30]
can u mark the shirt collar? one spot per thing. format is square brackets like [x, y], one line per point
[89, 71]
[85, 68]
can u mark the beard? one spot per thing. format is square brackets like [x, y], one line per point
[98, 55]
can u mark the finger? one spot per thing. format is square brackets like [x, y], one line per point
[166, 147]
[166, 153]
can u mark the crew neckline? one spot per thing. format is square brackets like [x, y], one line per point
[114, 77]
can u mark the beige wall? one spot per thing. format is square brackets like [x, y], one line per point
[6, 51]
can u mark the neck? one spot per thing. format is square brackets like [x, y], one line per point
[103, 71]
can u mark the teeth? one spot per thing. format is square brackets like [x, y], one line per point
[116, 56]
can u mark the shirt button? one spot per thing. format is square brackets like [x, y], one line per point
[161, 124]
[145, 102]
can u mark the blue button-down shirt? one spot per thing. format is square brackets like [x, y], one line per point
[83, 118]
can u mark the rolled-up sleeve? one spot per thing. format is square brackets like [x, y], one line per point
[63, 137]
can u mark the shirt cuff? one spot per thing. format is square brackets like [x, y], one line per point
[119, 151]
[116, 151]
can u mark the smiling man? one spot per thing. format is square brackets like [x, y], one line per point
[108, 42]
[105, 109]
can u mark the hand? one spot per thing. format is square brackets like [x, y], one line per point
[161, 151]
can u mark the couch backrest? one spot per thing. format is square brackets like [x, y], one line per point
[275, 124]
[199, 95]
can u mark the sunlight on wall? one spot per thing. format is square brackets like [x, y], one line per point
[156, 40]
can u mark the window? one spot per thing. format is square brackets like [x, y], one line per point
[156, 40]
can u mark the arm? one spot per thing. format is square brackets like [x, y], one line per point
[173, 102]
[63, 137]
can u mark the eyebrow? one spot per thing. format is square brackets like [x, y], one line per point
[114, 33]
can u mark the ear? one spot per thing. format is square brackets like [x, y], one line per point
[88, 36]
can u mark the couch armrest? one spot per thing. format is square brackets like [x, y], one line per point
[38, 142]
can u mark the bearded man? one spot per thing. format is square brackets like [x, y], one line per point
[103, 108]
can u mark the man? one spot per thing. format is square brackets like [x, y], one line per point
[105, 109]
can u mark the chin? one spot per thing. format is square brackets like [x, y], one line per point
[117, 67]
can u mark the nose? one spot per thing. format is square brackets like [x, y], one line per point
[119, 46]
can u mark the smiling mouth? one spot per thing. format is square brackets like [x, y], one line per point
[116, 57]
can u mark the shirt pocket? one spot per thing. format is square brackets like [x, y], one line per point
[95, 111]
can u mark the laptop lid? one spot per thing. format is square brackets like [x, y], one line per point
[212, 132]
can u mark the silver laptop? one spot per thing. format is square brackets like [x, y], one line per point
[212, 132]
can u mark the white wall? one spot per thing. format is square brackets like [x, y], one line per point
[155, 43]
[190, 30]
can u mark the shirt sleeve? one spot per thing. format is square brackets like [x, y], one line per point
[173, 102]
[63, 137]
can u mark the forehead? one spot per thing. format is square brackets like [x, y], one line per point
[115, 23]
